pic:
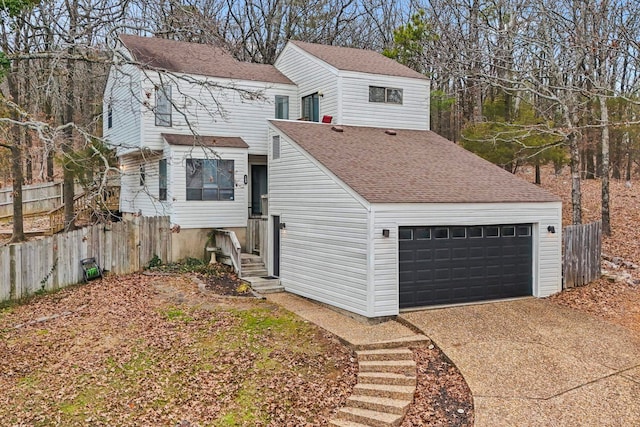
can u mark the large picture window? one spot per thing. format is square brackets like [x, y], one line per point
[163, 106]
[210, 179]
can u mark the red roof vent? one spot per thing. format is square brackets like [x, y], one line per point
[327, 119]
[390, 132]
[337, 128]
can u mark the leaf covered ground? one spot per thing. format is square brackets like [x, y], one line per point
[154, 350]
[616, 301]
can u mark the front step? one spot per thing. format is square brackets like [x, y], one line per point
[264, 286]
[388, 378]
[406, 367]
[385, 354]
[385, 390]
[368, 417]
[379, 404]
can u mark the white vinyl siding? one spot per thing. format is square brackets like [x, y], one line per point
[135, 198]
[207, 213]
[324, 247]
[311, 75]
[412, 113]
[547, 269]
[223, 108]
[122, 95]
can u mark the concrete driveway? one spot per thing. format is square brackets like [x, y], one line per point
[532, 363]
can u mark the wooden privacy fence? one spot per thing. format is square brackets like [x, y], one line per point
[582, 251]
[37, 198]
[54, 262]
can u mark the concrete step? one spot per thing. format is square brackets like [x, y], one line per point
[255, 274]
[264, 286]
[387, 378]
[252, 264]
[403, 342]
[379, 404]
[385, 354]
[369, 418]
[407, 367]
[345, 423]
[389, 391]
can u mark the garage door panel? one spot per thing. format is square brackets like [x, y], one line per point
[462, 264]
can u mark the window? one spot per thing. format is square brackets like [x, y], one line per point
[162, 181]
[311, 107]
[458, 233]
[423, 233]
[405, 234]
[163, 106]
[475, 232]
[276, 147]
[508, 231]
[492, 231]
[142, 175]
[109, 116]
[388, 95]
[210, 179]
[441, 233]
[524, 231]
[282, 107]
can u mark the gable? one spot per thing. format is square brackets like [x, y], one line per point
[410, 166]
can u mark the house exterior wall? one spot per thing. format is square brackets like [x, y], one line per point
[136, 198]
[324, 247]
[547, 247]
[358, 111]
[123, 93]
[200, 213]
[311, 75]
[217, 107]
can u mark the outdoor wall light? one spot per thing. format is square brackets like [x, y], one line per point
[283, 226]
[246, 179]
[385, 232]
[551, 229]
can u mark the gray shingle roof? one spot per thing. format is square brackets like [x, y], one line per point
[360, 60]
[195, 58]
[412, 166]
[205, 140]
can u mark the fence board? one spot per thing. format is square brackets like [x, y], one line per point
[54, 262]
[582, 250]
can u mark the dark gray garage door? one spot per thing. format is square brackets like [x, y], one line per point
[451, 264]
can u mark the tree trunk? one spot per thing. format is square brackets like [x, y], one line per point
[538, 181]
[576, 193]
[604, 118]
[625, 138]
[16, 182]
[67, 147]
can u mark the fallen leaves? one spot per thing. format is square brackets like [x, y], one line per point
[147, 350]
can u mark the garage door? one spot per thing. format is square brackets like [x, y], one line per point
[453, 264]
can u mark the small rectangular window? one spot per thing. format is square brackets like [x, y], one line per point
[109, 116]
[387, 95]
[524, 231]
[441, 233]
[143, 176]
[163, 106]
[405, 234]
[423, 234]
[458, 233]
[508, 231]
[282, 107]
[492, 231]
[276, 147]
[475, 232]
[162, 179]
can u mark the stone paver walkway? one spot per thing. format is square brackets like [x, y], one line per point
[532, 363]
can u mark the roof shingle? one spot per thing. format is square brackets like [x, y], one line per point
[359, 60]
[205, 140]
[196, 58]
[412, 166]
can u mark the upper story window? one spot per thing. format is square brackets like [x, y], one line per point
[311, 107]
[282, 107]
[163, 105]
[142, 176]
[388, 95]
[210, 179]
[162, 179]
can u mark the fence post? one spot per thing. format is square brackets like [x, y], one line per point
[12, 272]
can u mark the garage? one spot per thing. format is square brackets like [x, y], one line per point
[459, 264]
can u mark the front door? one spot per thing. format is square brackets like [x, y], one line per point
[276, 245]
[258, 188]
